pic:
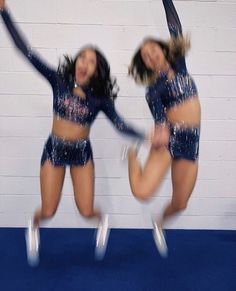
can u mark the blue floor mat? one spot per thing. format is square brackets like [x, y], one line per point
[198, 260]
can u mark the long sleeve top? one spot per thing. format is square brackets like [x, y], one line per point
[66, 105]
[164, 93]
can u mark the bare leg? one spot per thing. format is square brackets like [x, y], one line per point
[144, 182]
[184, 174]
[51, 182]
[83, 183]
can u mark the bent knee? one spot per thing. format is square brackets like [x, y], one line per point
[48, 213]
[87, 213]
[180, 205]
[141, 193]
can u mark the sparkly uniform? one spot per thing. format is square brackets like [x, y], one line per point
[82, 111]
[164, 94]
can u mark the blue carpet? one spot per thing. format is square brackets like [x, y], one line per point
[198, 261]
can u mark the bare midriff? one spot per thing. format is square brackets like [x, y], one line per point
[187, 113]
[69, 130]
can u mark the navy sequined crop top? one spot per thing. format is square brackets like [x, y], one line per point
[163, 93]
[65, 104]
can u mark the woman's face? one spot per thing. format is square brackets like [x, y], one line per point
[153, 56]
[85, 66]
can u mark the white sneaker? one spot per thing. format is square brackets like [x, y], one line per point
[102, 238]
[32, 244]
[159, 239]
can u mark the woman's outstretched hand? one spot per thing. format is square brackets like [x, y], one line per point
[160, 136]
[2, 4]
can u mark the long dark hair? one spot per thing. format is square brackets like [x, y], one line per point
[102, 84]
[172, 49]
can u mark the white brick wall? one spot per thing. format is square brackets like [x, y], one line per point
[54, 27]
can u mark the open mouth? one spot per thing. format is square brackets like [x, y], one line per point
[82, 74]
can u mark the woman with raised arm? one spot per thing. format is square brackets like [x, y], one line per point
[81, 88]
[172, 97]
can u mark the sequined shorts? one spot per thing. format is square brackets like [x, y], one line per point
[61, 152]
[184, 142]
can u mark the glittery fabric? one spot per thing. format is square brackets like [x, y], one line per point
[180, 88]
[173, 21]
[61, 152]
[184, 142]
[163, 93]
[66, 105]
